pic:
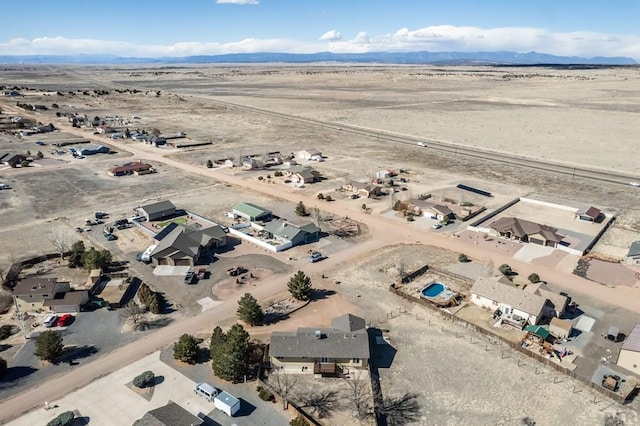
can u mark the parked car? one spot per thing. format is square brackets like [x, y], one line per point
[64, 320]
[422, 144]
[110, 237]
[206, 390]
[121, 222]
[315, 257]
[190, 277]
[40, 143]
[100, 215]
[437, 226]
[50, 321]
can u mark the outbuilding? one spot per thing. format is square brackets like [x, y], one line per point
[560, 329]
[227, 403]
[156, 211]
[629, 355]
[252, 212]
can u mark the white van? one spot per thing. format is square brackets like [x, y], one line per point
[206, 390]
[50, 321]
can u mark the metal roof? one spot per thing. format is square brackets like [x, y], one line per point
[632, 342]
[251, 210]
[634, 250]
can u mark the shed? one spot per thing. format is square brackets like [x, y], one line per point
[227, 403]
[613, 333]
[157, 211]
[588, 213]
[538, 331]
[252, 212]
[561, 329]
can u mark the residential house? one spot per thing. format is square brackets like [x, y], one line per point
[629, 354]
[44, 128]
[171, 414]
[513, 305]
[157, 211]
[158, 141]
[103, 128]
[67, 302]
[430, 209]
[311, 154]
[139, 137]
[303, 174]
[297, 235]
[31, 293]
[137, 168]
[182, 245]
[526, 231]
[252, 212]
[633, 255]
[363, 189]
[589, 214]
[12, 158]
[322, 351]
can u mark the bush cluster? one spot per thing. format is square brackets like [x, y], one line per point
[144, 380]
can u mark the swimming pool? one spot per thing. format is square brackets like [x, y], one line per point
[433, 290]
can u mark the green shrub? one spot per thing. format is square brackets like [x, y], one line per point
[64, 419]
[266, 395]
[534, 278]
[505, 269]
[299, 421]
[144, 380]
[462, 258]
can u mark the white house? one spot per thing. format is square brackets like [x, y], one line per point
[512, 304]
[629, 355]
[311, 154]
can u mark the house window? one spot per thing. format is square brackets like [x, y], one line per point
[355, 360]
[324, 359]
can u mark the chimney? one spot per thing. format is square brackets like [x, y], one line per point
[318, 334]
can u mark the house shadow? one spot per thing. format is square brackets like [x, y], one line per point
[321, 294]
[15, 373]
[230, 246]
[382, 353]
[571, 315]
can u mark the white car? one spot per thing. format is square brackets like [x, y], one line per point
[437, 226]
[634, 183]
[422, 144]
[50, 321]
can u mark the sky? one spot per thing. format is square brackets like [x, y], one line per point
[174, 28]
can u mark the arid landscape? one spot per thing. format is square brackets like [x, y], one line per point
[499, 130]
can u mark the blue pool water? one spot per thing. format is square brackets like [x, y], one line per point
[433, 290]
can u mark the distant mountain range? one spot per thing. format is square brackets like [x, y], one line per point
[441, 58]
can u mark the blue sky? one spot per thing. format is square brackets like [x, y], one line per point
[188, 27]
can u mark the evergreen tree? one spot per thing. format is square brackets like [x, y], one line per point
[249, 311]
[232, 358]
[77, 254]
[49, 345]
[301, 209]
[186, 349]
[218, 338]
[300, 286]
[3, 367]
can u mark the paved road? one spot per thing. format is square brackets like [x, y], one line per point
[383, 232]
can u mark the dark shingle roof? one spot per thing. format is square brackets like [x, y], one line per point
[169, 415]
[521, 228]
[158, 207]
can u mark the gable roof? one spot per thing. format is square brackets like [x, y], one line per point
[165, 231]
[251, 210]
[130, 167]
[348, 322]
[312, 151]
[171, 414]
[158, 207]
[632, 342]
[33, 285]
[333, 344]
[289, 231]
[182, 241]
[521, 228]
[634, 250]
[560, 323]
[492, 288]
[589, 211]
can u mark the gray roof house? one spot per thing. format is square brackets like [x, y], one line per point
[185, 246]
[252, 212]
[322, 351]
[92, 150]
[515, 306]
[297, 235]
[30, 294]
[526, 231]
[633, 255]
[156, 211]
[169, 415]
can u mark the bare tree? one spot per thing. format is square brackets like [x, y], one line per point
[135, 314]
[283, 384]
[322, 403]
[401, 270]
[401, 410]
[61, 240]
[360, 395]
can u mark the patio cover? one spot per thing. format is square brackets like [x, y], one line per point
[538, 331]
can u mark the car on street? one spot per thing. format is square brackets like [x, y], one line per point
[100, 215]
[50, 321]
[634, 184]
[110, 237]
[40, 143]
[437, 226]
[422, 144]
[64, 320]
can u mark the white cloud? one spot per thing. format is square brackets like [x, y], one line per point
[237, 2]
[330, 36]
[435, 38]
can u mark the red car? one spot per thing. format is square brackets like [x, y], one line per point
[64, 320]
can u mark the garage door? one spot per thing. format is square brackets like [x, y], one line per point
[183, 262]
[536, 241]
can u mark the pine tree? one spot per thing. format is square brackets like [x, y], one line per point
[300, 286]
[49, 345]
[218, 338]
[186, 348]
[231, 362]
[249, 310]
[301, 210]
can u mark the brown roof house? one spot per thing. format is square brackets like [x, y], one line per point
[589, 214]
[303, 174]
[134, 168]
[363, 189]
[322, 351]
[430, 209]
[526, 231]
[559, 328]
[34, 294]
[182, 245]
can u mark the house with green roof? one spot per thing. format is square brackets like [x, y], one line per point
[296, 235]
[633, 256]
[252, 212]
